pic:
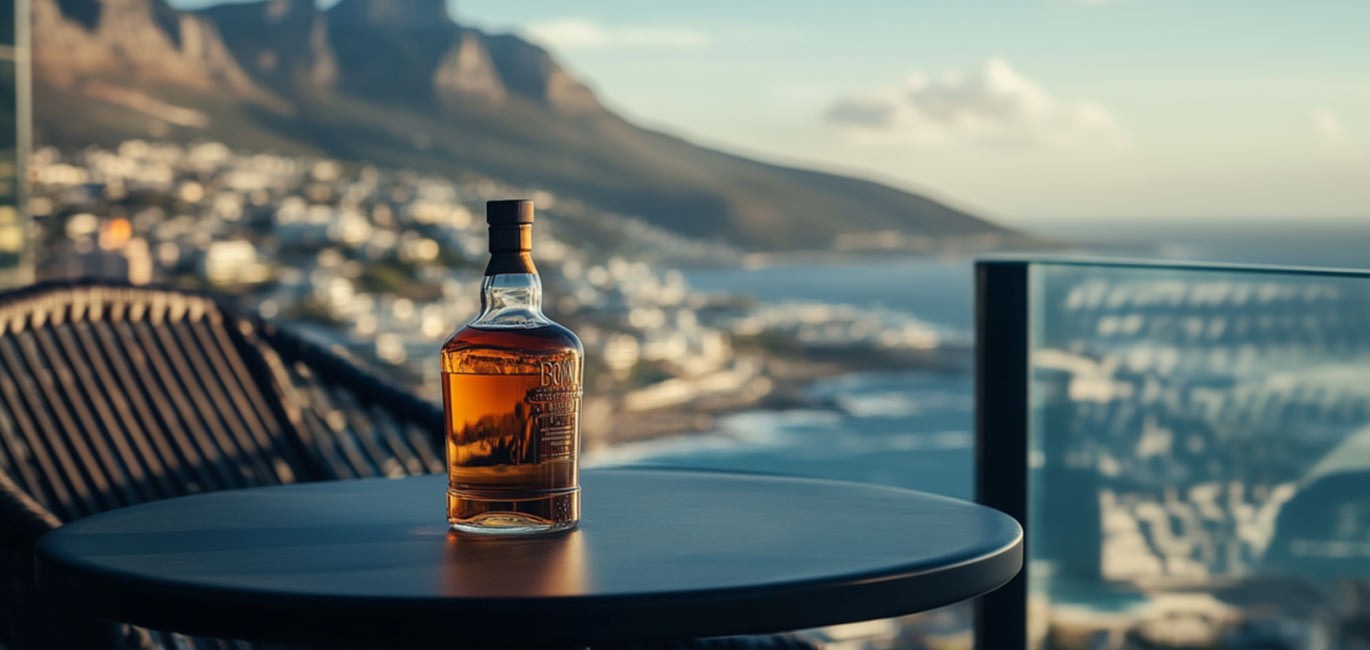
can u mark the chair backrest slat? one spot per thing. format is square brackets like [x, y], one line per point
[196, 408]
[178, 409]
[114, 406]
[28, 457]
[368, 440]
[236, 383]
[201, 380]
[77, 389]
[415, 453]
[100, 419]
[388, 453]
[239, 419]
[433, 458]
[158, 431]
[56, 384]
[324, 422]
[74, 497]
[14, 452]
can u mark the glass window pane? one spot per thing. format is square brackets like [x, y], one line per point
[14, 144]
[1200, 467]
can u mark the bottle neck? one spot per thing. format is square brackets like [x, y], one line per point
[511, 301]
[511, 250]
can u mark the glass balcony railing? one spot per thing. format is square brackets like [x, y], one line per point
[1189, 448]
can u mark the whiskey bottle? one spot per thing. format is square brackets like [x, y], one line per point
[511, 383]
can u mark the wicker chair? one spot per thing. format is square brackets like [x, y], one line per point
[113, 395]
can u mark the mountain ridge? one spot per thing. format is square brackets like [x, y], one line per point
[398, 82]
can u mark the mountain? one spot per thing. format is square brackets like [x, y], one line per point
[398, 82]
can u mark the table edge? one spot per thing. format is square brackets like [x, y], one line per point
[178, 602]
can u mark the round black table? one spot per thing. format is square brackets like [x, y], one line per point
[658, 554]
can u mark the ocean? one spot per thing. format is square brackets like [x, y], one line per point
[915, 429]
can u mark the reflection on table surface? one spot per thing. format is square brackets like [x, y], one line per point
[539, 565]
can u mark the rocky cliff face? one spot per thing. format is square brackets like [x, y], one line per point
[411, 50]
[399, 82]
[384, 50]
[466, 73]
[530, 71]
[282, 42]
[103, 40]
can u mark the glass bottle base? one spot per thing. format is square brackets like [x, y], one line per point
[490, 513]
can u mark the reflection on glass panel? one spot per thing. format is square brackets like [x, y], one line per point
[1200, 459]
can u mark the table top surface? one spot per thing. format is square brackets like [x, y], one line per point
[658, 554]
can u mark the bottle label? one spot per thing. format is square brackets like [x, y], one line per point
[555, 412]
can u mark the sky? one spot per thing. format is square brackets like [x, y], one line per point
[1021, 111]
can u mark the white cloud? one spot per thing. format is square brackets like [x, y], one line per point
[576, 33]
[1334, 140]
[993, 103]
[1328, 127]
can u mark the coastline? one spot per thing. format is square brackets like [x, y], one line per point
[783, 383]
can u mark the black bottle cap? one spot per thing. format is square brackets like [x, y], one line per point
[511, 236]
[509, 212]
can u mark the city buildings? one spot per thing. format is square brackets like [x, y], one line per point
[383, 264]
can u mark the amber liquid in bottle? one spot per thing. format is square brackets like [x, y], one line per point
[513, 408]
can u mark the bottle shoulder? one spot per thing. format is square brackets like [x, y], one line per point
[551, 338]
